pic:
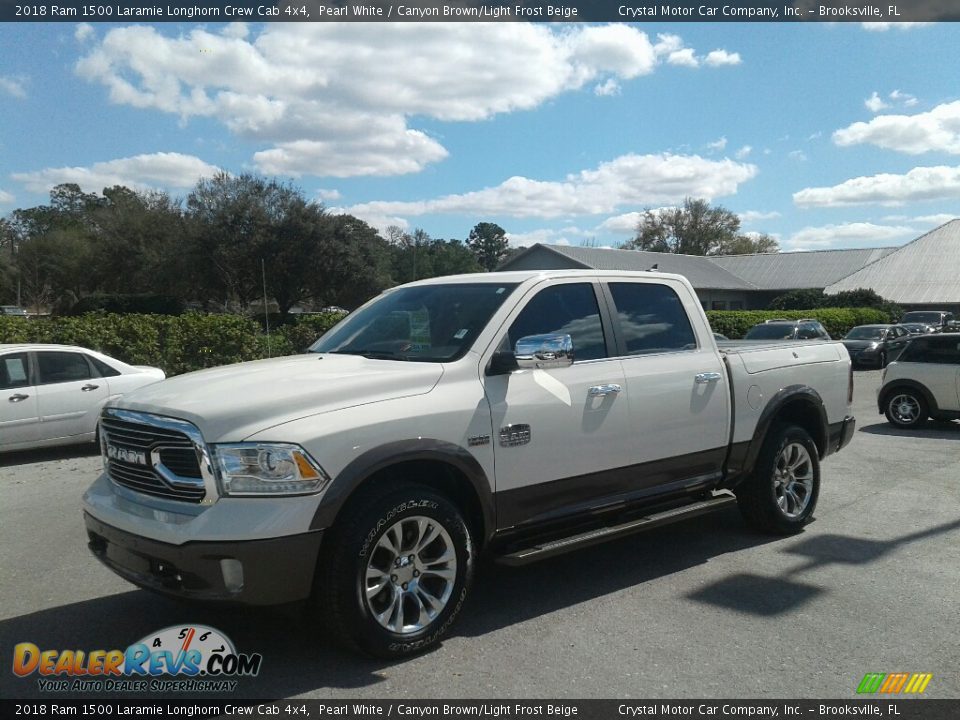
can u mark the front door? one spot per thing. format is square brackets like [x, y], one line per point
[69, 394]
[557, 432]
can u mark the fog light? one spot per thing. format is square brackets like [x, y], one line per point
[232, 574]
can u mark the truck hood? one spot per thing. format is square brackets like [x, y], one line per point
[233, 402]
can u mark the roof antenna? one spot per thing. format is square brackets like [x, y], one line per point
[653, 267]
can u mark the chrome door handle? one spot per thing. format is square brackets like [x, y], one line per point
[704, 378]
[89, 387]
[602, 390]
[18, 397]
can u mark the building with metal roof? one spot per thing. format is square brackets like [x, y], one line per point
[923, 272]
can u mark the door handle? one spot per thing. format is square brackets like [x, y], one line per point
[88, 387]
[603, 390]
[707, 377]
[18, 397]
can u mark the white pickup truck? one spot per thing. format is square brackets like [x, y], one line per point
[518, 414]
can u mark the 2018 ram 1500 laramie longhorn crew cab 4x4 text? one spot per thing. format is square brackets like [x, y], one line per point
[519, 414]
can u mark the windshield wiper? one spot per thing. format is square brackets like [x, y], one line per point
[373, 354]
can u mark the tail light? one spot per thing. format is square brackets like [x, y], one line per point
[850, 384]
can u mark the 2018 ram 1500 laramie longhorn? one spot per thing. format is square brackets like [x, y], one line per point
[518, 414]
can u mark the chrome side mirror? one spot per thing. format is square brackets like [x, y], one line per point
[544, 352]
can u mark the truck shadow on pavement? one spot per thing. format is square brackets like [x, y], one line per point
[297, 660]
[63, 452]
[770, 596]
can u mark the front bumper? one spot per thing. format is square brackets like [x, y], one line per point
[254, 572]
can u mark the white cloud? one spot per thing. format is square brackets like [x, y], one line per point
[798, 155]
[325, 194]
[847, 235]
[627, 180]
[304, 89]
[884, 26]
[607, 88]
[935, 220]
[625, 224]
[903, 98]
[743, 152]
[5, 197]
[164, 170]
[815, 136]
[12, 86]
[83, 32]
[716, 58]
[548, 236]
[875, 103]
[754, 215]
[717, 145]
[935, 131]
[684, 57]
[921, 183]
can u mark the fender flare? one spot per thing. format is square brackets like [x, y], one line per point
[361, 468]
[743, 460]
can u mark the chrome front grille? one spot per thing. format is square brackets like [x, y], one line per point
[154, 455]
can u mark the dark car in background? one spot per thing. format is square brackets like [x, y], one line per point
[942, 320]
[876, 345]
[918, 328]
[805, 329]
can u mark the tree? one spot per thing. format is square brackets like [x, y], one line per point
[696, 228]
[750, 244]
[488, 243]
[353, 262]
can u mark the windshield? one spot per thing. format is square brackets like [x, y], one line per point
[930, 318]
[865, 333]
[770, 332]
[425, 323]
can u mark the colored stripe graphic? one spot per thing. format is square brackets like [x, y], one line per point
[894, 683]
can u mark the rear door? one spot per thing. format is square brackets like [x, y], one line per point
[19, 417]
[69, 393]
[676, 386]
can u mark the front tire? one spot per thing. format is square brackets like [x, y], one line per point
[906, 408]
[395, 572]
[781, 494]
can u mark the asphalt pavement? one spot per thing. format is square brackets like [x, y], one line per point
[701, 609]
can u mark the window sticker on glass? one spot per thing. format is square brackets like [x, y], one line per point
[461, 334]
[500, 291]
[420, 330]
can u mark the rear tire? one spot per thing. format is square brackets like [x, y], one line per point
[394, 572]
[906, 408]
[781, 494]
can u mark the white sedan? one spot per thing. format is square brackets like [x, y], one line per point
[53, 394]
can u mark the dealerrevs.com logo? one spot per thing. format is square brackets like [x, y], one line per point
[191, 658]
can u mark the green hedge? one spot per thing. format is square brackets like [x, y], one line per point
[838, 321]
[178, 344]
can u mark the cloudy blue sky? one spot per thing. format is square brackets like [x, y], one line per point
[823, 135]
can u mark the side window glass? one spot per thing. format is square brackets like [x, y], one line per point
[652, 318]
[569, 309]
[61, 367]
[916, 352]
[806, 332]
[102, 368]
[944, 351]
[14, 371]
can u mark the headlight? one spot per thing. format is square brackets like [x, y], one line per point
[267, 469]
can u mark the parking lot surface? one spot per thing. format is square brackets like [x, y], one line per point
[705, 608]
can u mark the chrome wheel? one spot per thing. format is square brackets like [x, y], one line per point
[410, 575]
[905, 409]
[793, 479]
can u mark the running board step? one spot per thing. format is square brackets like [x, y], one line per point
[594, 537]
